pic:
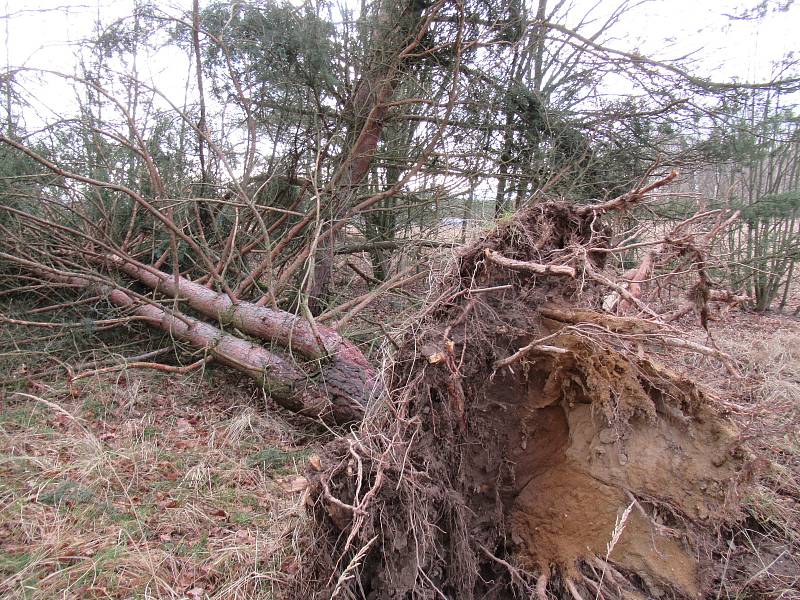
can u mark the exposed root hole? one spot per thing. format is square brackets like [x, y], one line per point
[516, 456]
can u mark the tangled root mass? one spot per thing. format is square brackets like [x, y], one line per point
[500, 467]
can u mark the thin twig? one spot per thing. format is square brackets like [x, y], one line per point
[144, 365]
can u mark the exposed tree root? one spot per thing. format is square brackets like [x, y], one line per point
[519, 425]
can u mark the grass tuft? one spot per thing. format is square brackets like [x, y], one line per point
[143, 486]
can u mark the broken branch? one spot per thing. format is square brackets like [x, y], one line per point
[528, 267]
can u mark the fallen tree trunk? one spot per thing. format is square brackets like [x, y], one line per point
[526, 446]
[335, 394]
[342, 368]
[281, 327]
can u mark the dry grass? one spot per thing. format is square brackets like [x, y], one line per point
[147, 486]
[761, 558]
[143, 486]
[764, 555]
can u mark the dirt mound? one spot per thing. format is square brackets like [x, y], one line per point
[595, 438]
[526, 444]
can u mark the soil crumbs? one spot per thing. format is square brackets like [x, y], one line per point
[153, 486]
[583, 469]
[588, 438]
[666, 464]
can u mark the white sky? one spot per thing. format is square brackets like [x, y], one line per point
[725, 48]
[660, 29]
[739, 48]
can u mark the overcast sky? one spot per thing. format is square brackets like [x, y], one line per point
[42, 33]
[739, 46]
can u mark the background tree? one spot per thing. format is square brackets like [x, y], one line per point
[755, 169]
[303, 136]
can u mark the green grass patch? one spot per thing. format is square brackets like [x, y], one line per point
[22, 416]
[94, 408]
[67, 492]
[150, 433]
[14, 563]
[242, 518]
[276, 460]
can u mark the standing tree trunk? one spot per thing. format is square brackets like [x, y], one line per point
[399, 28]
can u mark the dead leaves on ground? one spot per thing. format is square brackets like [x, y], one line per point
[168, 501]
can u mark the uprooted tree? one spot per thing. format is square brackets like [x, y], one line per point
[173, 215]
[518, 419]
[522, 413]
[527, 443]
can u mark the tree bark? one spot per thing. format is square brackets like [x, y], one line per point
[396, 24]
[339, 365]
[334, 392]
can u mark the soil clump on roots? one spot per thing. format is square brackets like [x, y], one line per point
[527, 446]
